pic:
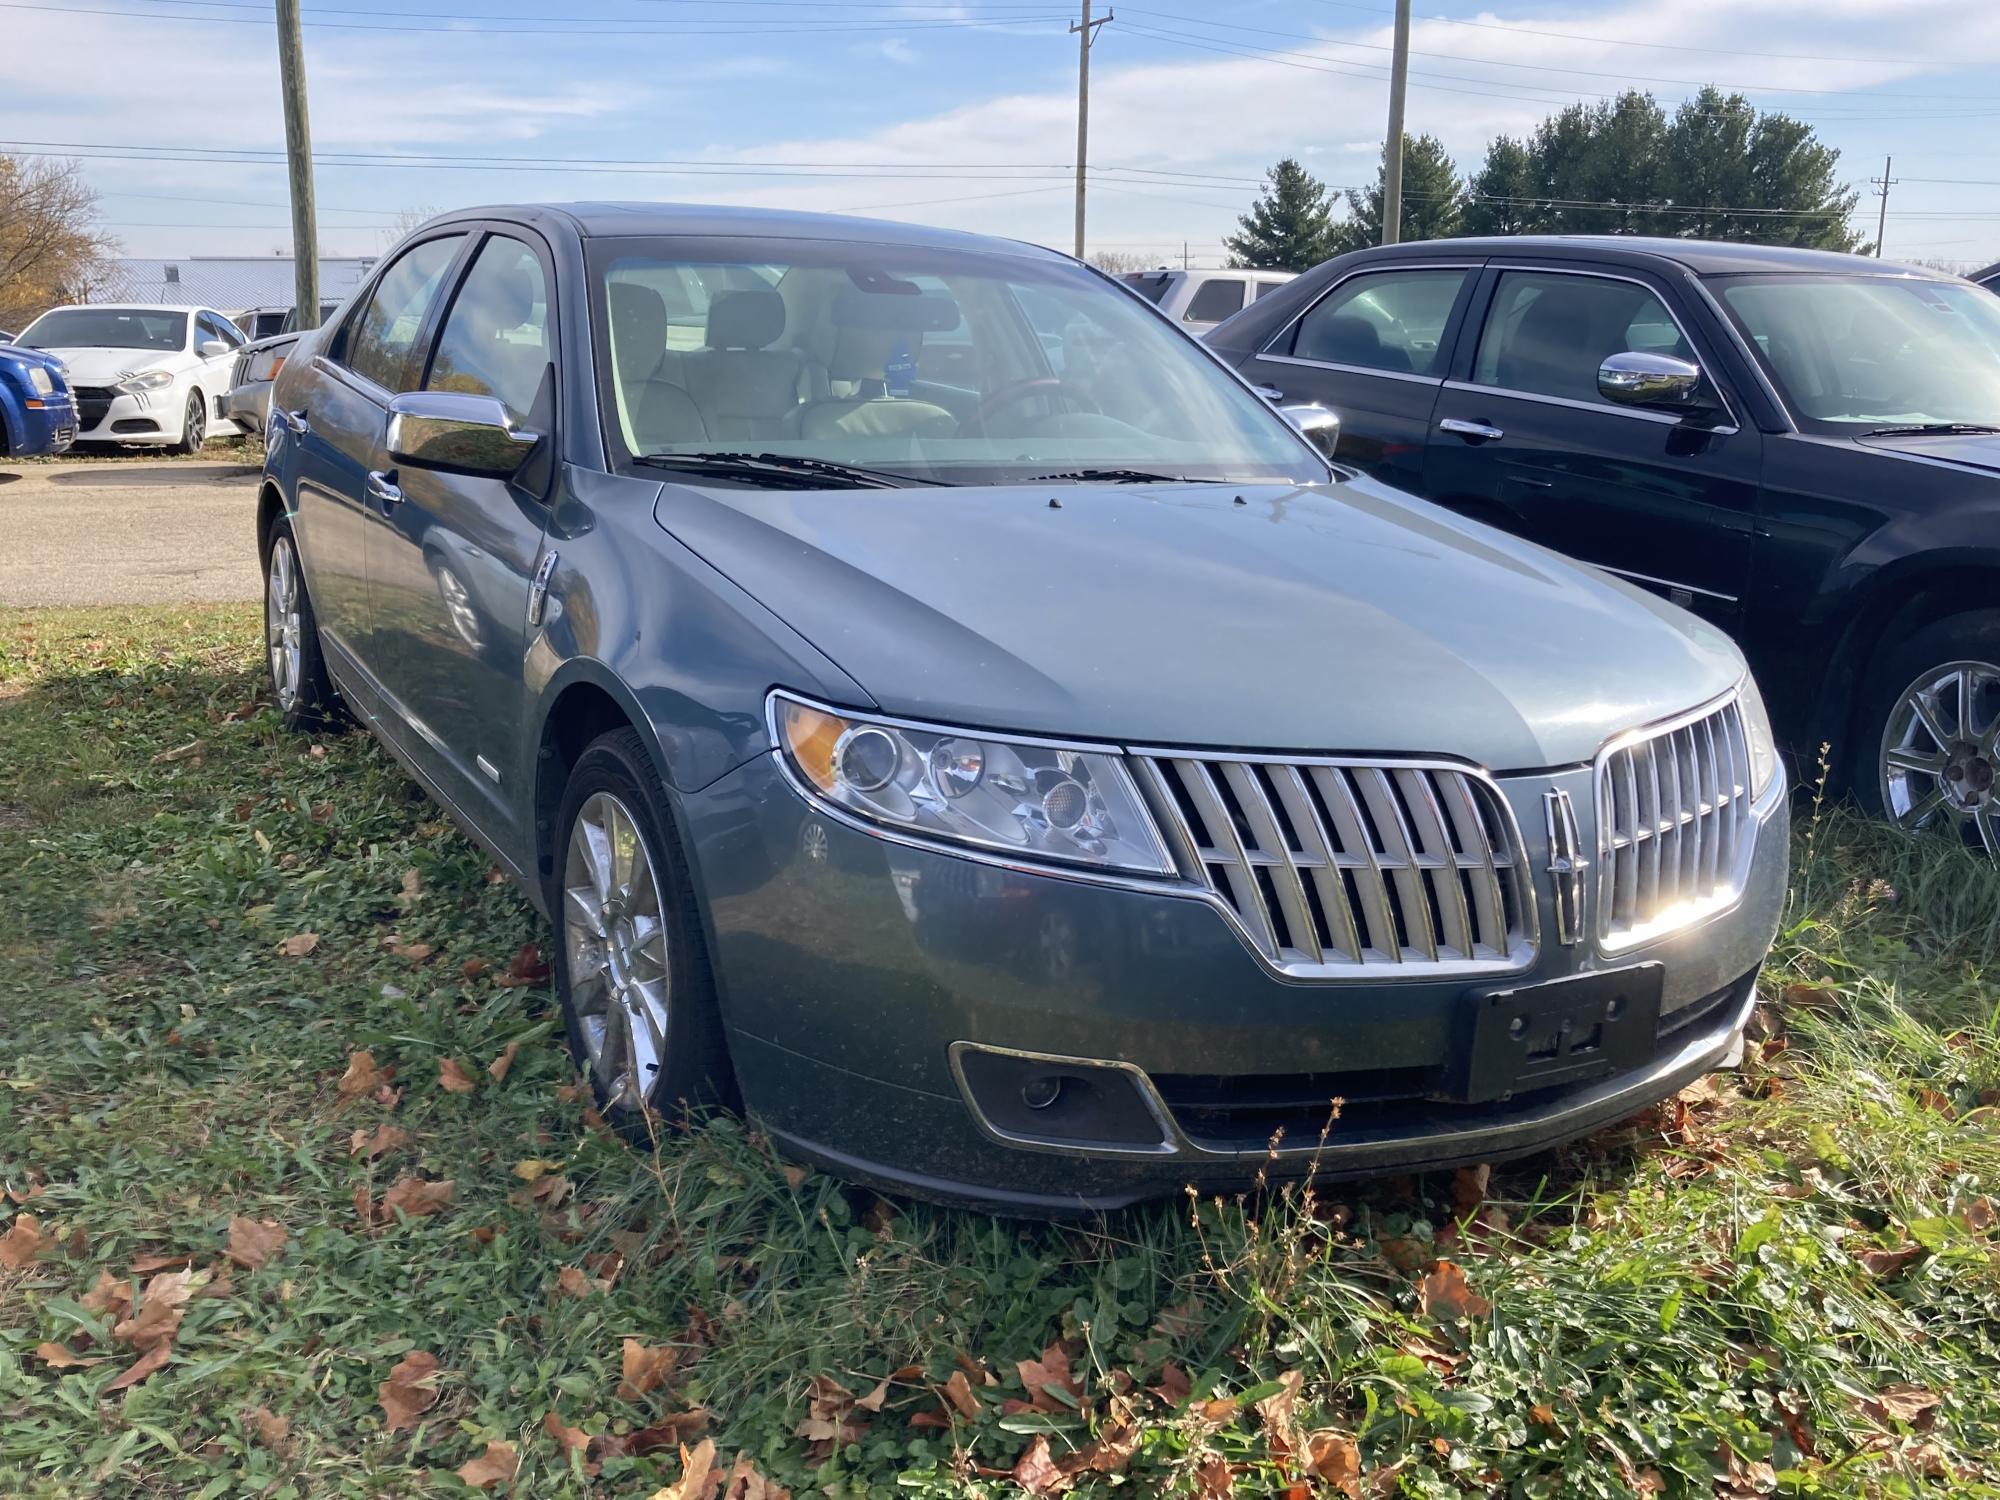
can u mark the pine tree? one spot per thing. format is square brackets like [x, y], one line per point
[1433, 200]
[1290, 226]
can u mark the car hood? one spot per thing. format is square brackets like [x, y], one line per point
[1270, 617]
[1978, 450]
[95, 366]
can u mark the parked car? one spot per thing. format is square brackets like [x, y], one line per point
[37, 417]
[1043, 792]
[1202, 299]
[147, 375]
[1988, 278]
[1802, 447]
[247, 402]
[259, 323]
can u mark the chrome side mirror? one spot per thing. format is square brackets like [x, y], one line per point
[458, 434]
[1316, 425]
[1635, 379]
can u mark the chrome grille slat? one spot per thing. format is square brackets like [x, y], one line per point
[1328, 866]
[1673, 822]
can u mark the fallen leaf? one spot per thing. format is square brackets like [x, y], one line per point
[495, 1466]
[1909, 1404]
[416, 953]
[1215, 1478]
[472, 968]
[1811, 997]
[407, 1394]
[1109, 1454]
[299, 944]
[141, 1367]
[453, 1078]
[1468, 1189]
[161, 1307]
[569, 1439]
[693, 1483]
[416, 1197]
[1444, 1294]
[527, 967]
[60, 1357]
[109, 1294]
[795, 1175]
[1978, 1215]
[146, 1264]
[643, 1368]
[1218, 1409]
[958, 1391]
[273, 1431]
[255, 1242]
[413, 885]
[1052, 1369]
[668, 1432]
[1174, 1385]
[385, 1137]
[1336, 1458]
[746, 1483]
[1888, 1262]
[1036, 1472]
[497, 1069]
[573, 1283]
[179, 752]
[22, 1243]
[362, 1076]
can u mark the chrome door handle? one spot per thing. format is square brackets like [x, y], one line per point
[1478, 431]
[538, 591]
[383, 489]
[296, 420]
[1269, 392]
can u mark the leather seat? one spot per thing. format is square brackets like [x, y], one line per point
[862, 406]
[1345, 339]
[659, 411]
[746, 390]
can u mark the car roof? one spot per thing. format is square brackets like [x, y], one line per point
[169, 307]
[1703, 257]
[606, 220]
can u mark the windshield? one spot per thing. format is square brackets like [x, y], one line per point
[1852, 353]
[107, 328]
[936, 366]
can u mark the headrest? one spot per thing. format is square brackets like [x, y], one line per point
[638, 328]
[860, 353]
[926, 312]
[512, 295]
[746, 320]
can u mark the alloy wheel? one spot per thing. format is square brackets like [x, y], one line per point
[1939, 757]
[197, 424]
[281, 623]
[616, 936]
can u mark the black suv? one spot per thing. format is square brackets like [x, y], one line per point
[1802, 447]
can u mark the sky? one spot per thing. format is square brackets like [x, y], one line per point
[959, 114]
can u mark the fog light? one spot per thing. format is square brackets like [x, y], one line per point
[1040, 1093]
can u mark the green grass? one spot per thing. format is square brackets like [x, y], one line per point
[1683, 1303]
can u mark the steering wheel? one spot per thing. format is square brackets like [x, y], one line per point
[1023, 390]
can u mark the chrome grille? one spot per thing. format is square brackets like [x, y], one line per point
[1329, 866]
[1673, 821]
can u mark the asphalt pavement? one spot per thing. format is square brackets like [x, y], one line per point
[127, 531]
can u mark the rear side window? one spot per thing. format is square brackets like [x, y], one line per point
[1390, 320]
[1547, 333]
[1214, 300]
[1152, 285]
[495, 340]
[381, 336]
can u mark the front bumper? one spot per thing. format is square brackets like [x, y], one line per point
[249, 405]
[853, 969]
[46, 429]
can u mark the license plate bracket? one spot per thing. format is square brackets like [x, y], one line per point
[1567, 1031]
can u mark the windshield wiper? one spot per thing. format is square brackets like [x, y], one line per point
[1113, 476]
[798, 472]
[1932, 429]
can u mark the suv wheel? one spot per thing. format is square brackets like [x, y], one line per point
[194, 425]
[1932, 716]
[299, 684]
[638, 998]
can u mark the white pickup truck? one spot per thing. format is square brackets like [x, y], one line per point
[1201, 299]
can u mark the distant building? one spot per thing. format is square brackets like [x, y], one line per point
[227, 283]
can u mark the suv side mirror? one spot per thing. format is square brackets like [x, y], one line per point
[1316, 425]
[1660, 380]
[458, 434]
[210, 348]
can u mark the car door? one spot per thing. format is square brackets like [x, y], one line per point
[216, 368]
[1523, 439]
[1374, 349]
[452, 560]
[339, 413]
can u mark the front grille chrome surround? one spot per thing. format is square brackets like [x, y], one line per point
[1336, 867]
[1674, 826]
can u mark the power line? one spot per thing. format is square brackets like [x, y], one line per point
[558, 28]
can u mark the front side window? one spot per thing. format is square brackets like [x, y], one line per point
[1850, 353]
[380, 338]
[1214, 300]
[1387, 320]
[107, 328]
[495, 340]
[941, 366]
[215, 326]
[1546, 333]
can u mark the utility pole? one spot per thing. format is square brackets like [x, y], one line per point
[298, 159]
[1392, 150]
[1882, 186]
[1085, 32]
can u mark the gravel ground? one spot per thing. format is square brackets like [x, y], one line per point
[127, 531]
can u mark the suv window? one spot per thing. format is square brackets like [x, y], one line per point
[1214, 300]
[495, 340]
[379, 337]
[215, 326]
[1387, 320]
[1547, 333]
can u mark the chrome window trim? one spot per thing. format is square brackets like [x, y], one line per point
[1375, 269]
[1501, 268]
[1660, 418]
[1327, 364]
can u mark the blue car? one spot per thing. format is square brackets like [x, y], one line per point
[37, 416]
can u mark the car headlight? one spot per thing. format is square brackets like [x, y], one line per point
[147, 380]
[1026, 797]
[38, 377]
[1757, 733]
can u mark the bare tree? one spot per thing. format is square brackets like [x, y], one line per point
[1119, 262]
[50, 247]
[404, 222]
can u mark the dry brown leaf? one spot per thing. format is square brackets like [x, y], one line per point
[643, 1369]
[1811, 997]
[371, 1144]
[569, 1439]
[1910, 1404]
[497, 1069]
[416, 953]
[1336, 1458]
[694, 1481]
[1109, 1454]
[1468, 1189]
[495, 1466]
[408, 1393]
[1052, 1369]
[1036, 1472]
[1174, 1386]
[1888, 1262]
[670, 1431]
[746, 1483]
[161, 1307]
[472, 968]
[109, 1294]
[1444, 1295]
[874, 1399]
[1218, 1409]
[413, 885]
[299, 944]
[527, 967]
[253, 1243]
[795, 1175]
[416, 1197]
[61, 1357]
[22, 1242]
[273, 1431]
[573, 1283]
[1215, 1479]
[958, 1391]
[141, 1367]
[362, 1076]
[1979, 1215]
[453, 1078]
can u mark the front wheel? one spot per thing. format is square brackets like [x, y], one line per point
[631, 966]
[1931, 715]
[194, 425]
[299, 680]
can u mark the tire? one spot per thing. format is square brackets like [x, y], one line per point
[1944, 768]
[299, 682]
[194, 425]
[638, 1003]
